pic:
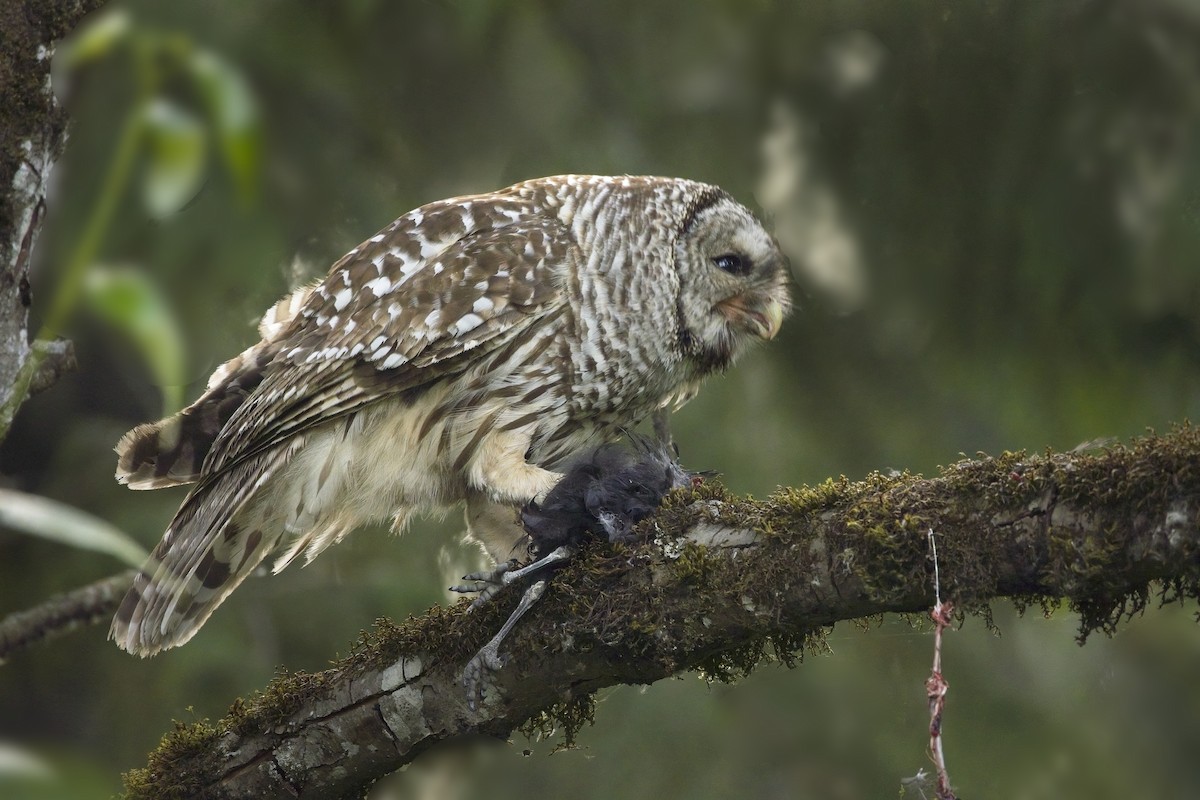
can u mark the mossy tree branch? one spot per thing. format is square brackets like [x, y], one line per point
[720, 582]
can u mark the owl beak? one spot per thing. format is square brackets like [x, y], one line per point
[759, 314]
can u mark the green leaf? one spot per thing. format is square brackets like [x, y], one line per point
[59, 522]
[235, 118]
[125, 298]
[178, 152]
[95, 39]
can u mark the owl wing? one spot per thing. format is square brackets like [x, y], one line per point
[434, 291]
[369, 331]
[384, 323]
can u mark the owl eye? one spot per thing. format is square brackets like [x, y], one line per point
[732, 263]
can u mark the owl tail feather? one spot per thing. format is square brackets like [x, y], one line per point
[171, 452]
[217, 538]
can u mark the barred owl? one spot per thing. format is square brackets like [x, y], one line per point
[462, 354]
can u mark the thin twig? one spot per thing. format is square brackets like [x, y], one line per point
[62, 614]
[936, 686]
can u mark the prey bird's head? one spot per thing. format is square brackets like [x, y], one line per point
[733, 281]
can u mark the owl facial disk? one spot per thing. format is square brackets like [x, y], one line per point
[733, 281]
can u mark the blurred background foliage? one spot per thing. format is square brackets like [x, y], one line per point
[993, 207]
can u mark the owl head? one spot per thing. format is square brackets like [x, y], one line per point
[732, 281]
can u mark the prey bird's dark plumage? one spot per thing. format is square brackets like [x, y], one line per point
[461, 355]
[603, 495]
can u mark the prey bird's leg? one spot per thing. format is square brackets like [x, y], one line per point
[488, 659]
[504, 574]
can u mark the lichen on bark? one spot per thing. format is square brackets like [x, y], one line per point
[34, 127]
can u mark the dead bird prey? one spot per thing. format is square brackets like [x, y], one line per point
[603, 495]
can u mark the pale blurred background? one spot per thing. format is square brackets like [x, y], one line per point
[993, 207]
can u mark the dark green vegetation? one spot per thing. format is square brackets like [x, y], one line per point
[1018, 181]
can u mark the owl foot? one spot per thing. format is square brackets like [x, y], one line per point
[477, 673]
[485, 582]
[496, 579]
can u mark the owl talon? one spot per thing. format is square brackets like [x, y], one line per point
[492, 575]
[504, 574]
[479, 670]
[485, 583]
[489, 659]
[486, 593]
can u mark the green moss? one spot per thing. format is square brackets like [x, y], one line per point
[26, 111]
[788, 649]
[1115, 483]
[191, 744]
[567, 718]
[693, 564]
[879, 528]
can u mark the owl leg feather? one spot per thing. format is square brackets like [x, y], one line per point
[494, 525]
[500, 469]
[662, 430]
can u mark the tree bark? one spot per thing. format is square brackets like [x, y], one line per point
[32, 133]
[718, 583]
